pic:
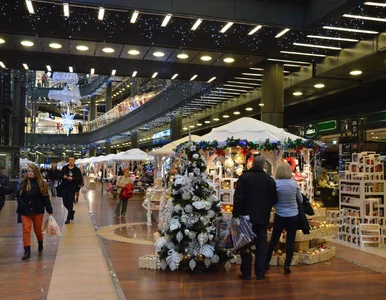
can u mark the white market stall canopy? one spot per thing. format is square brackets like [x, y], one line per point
[133, 154]
[168, 148]
[25, 161]
[249, 129]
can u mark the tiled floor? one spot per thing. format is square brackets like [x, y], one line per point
[74, 267]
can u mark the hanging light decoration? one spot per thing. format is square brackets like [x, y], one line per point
[239, 158]
[229, 163]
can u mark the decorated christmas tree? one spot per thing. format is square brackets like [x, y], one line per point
[189, 226]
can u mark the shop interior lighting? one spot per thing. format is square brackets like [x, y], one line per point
[226, 93]
[207, 122]
[247, 83]
[226, 27]
[256, 69]
[174, 76]
[66, 10]
[292, 65]
[196, 24]
[364, 18]
[2, 65]
[101, 13]
[154, 75]
[254, 30]
[238, 86]
[234, 90]
[191, 126]
[317, 46]
[71, 69]
[193, 77]
[216, 119]
[185, 128]
[206, 58]
[350, 29]
[134, 17]
[252, 74]
[281, 33]
[319, 86]
[25, 66]
[182, 56]
[166, 20]
[297, 93]
[332, 38]
[92, 71]
[133, 52]
[113, 72]
[214, 98]
[249, 79]
[55, 45]
[289, 61]
[199, 124]
[158, 54]
[249, 109]
[225, 116]
[212, 79]
[134, 74]
[376, 4]
[108, 50]
[356, 72]
[236, 112]
[82, 48]
[261, 104]
[302, 53]
[27, 43]
[49, 68]
[29, 6]
[229, 60]
[2, 41]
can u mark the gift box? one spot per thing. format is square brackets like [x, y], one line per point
[274, 260]
[149, 261]
[310, 259]
[294, 262]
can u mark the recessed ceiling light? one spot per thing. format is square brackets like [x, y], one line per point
[258, 27]
[229, 60]
[225, 116]
[185, 128]
[376, 4]
[247, 83]
[319, 86]
[249, 109]
[252, 74]
[235, 90]
[2, 65]
[297, 93]
[281, 33]
[25, 66]
[356, 72]
[350, 30]
[292, 65]
[256, 69]
[317, 46]
[29, 6]
[154, 75]
[71, 69]
[289, 61]
[55, 45]
[236, 112]
[158, 54]
[303, 53]
[27, 43]
[210, 80]
[226, 27]
[193, 77]
[174, 76]
[182, 56]
[49, 68]
[331, 38]
[206, 58]
[261, 104]
[216, 119]
[101, 13]
[113, 72]
[364, 18]
[199, 124]
[66, 10]
[134, 74]
[134, 16]
[82, 48]
[249, 79]
[133, 52]
[238, 86]
[191, 126]
[92, 71]
[108, 50]
[2, 41]
[207, 122]
[196, 24]
[166, 20]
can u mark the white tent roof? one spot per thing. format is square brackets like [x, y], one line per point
[133, 154]
[249, 129]
[168, 148]
[25, 161]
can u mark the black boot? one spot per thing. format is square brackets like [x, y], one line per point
[27, 253]
[287, 269]
[72, 215]
[40, 248]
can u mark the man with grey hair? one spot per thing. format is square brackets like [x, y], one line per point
[255, 196]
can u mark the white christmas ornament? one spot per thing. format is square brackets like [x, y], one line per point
[163, 265]
[186, 231]
[195, 156]
[186, 196]
[192, 264]
[227, 266]
[211, 236]
[207, 250]
[173, 259]
[174, 224]
[211, 213]
[215, 259]
[208, 205]
[179, 236]
[207, 262]
[202, 238]
[188, 208]
[192, 235]
[199, 205]
[177, 208]
[159, 243]
[233, 259]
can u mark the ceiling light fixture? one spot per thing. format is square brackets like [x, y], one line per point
[364, 18]
[133, 52]
[191, 126]
[2, 41]
[226, 27]
[240, 82]
[182, 56]
[134, 74]
[225, 116]
[256, 69]
[174, 76]
[92, 71]
[66, 10]
[207, 122]
[185, 128]
[302, 53]
[297, 93]
[71, 69]
[25, 66]
[289, 61]
[235, 90]
[82, 48]
[281, 33]
[350, 30]
[193, 77]
[238, 86]
[206, 58]
[236, 112]
[158, 54]
[134, 17]
[216, 119]
[30, 6]
[261, 104]
[317, 46]
[212, 79]
[49, 68]
[249, 79]
[214, 98]
[108, 50]
[226, 93]
[292, 65]
[229, 60]
[356, 72]
[249, 109]
[166, 20]
[27, 43]
[101, 13]
[55, 45]
[154, 75]
[254, 30]
[113, 72]
[376, 4]
[331, 38]
[196, 24]
[252, 74]
[319, 86]
[2, 65]
[199, 124]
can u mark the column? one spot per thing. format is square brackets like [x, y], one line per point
[176, 127]
[273, 95]
[19, 92]
[109, 103]
[91, 153]
[134, 139]
[93, 110]
[134, 87]
[107, 148]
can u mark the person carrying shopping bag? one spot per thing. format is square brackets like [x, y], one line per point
[120, 210]
[33, 198]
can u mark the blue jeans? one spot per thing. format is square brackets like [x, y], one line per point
[260, 253]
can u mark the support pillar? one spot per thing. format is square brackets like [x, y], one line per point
[134, 139]
[91, 152]
[93, 109]
[176, 127]
[107, 149]
[109, 103]
[273, 95]
[134, 87]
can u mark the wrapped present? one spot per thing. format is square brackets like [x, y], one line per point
[294, 262]
[274, 260]
[149, 261]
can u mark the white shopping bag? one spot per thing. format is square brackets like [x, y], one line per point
[51, 228]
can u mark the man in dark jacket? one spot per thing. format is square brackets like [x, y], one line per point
[71, 179]
[5, 189]
[255, 196]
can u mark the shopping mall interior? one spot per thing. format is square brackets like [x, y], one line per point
[183, 95]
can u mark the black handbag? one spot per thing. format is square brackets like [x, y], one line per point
[308, 210]
[303, 224]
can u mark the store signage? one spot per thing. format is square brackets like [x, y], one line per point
[311, 131]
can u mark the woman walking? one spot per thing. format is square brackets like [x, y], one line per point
[287, 213]
[121, 208]
[33, 198]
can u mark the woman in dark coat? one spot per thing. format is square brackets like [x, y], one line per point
[33, 198]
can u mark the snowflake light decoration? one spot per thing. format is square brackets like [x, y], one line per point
[68, 121]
